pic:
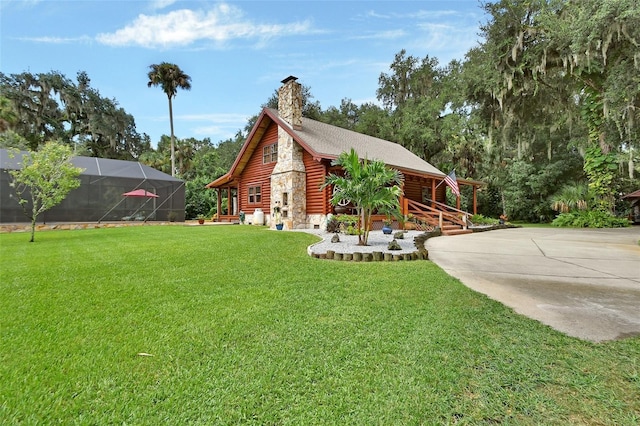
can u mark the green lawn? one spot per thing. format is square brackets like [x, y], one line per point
[244, 328]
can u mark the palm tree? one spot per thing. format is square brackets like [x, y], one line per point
[369, 185]
[170, 77]
[571, 197]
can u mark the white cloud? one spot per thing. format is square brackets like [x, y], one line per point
[420, 14]
[447, 41]
[183, 27]
[19, 3]
[57, 40]
[161, 4]
[383, 35]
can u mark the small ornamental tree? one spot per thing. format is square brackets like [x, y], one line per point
[369, 185]
[44, 180]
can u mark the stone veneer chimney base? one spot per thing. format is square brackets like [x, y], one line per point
[290, 190]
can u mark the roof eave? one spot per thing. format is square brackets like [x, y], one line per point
[295, 135]
[226, 178]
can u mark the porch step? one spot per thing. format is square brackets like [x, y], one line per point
[457, 231]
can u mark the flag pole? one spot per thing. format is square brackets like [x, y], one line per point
[442, 181]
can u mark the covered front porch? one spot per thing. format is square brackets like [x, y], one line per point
[226, 199]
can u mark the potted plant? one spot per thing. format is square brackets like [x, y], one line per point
[277, 216]
[386, 226]
[201, 219]
[391, 213]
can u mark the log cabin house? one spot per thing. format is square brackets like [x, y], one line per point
[286, 157]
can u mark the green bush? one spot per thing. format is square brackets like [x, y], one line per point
[589, 219]
[478, 219]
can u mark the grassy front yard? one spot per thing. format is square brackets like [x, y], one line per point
[237, 325]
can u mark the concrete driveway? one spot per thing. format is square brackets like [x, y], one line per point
[582, 282]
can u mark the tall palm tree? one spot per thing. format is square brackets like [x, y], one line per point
[369, 185]
[171, 78]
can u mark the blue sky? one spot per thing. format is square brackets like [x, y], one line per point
[236, 52]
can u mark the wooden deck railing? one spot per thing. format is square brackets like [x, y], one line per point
[437, 215]
[228, 218]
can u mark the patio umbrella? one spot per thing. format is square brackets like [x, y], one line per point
[140, 193]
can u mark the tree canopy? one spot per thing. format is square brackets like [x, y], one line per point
[40, 107]
[44, 180]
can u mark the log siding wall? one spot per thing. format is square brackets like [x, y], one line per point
[316, 198]
[413, 188]
[256, 173]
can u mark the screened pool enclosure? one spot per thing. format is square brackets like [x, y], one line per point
[110, 190]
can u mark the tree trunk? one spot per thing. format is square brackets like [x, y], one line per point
[33, 229]
[173, 155]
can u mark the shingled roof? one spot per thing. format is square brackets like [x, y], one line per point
[324, 140]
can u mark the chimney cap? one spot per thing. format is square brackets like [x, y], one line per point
[288, 79]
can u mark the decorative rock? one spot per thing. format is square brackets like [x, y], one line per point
[399, 235]
[357, 256]
[377, 256]
[397, 257]
[367, 257]
[393, 245]
[388, 256]
[330, 254]
[337, 256]
[335, 238]
[347, 256]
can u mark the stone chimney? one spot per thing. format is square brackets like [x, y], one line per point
[288, 177]
[290, 102]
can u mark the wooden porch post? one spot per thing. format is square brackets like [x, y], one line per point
[218, 204]
[458, 202]
[475, 199]
[433, 190]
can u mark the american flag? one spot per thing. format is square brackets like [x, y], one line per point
[452, 182]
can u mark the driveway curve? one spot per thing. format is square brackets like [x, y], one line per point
[582, 282]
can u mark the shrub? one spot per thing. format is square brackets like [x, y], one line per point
[589, 219]
[478, 219]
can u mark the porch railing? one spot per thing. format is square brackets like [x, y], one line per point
[436, 215]
[227, 218]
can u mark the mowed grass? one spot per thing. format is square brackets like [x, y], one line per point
[237, 325]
